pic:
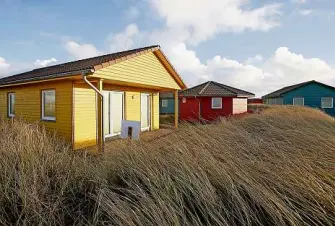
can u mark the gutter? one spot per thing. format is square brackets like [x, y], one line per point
[102, 104]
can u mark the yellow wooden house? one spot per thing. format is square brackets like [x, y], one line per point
[86, 100]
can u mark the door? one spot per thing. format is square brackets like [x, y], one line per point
[145, 111]
[106, 114]
[113, 112]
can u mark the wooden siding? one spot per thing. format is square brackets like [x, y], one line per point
[28, 105]
[85, 113]
[145, 69]
[169, 109]
[208, 113]
[240, 105]
[133, 106]
[312, 94]
[189, 111]
[155, 111]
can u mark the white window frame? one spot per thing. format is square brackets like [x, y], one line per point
[165, 103]
[9, 106]
[47, 118]
[303, 101]
[213, 107]
[332, 103]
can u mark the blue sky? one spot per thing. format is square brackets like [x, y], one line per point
[258, 45]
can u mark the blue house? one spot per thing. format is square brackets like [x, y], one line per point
[312, 94]
[166, 103]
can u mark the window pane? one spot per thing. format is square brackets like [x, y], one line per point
[299, 101]
[326, 102]
[164, 103]
[49, 104]
[11, 104]
[216, 102]
[276, 101]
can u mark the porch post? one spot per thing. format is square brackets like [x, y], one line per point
[100, 112]
[176, 108]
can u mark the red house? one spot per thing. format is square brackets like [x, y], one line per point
[211, 100]
[255, 101]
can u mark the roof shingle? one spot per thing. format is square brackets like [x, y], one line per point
[61, 70]
[212, 88]
[286, 89]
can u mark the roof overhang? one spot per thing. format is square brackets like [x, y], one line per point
[53, 77]
[72, 74]
[246, 96]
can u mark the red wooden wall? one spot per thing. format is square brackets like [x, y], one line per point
[189, 111]
[210, 114]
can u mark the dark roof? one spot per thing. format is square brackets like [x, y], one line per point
[212, 88]
[66, 69]
[280, 92]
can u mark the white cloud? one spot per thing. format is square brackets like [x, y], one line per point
[299, 1]
[81, 51]
[44, 63]
[209, 18]
[4, 67]
[11, 68]
[254, 60]
[132, 13]
[281, 69]
[306, 12]
[3, 64]
[127, 39]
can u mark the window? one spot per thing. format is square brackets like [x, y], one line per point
[49, 105]
[327, 102]
[165, 103]
[183, 100]
[11, 104]
[216, 102]
[276, 101]
[298, 101]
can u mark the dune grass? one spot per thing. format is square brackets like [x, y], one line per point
[272, 168]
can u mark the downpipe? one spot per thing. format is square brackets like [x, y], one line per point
[102, 104]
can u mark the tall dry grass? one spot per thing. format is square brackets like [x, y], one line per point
[273, 168]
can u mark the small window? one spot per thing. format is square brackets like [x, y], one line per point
[49, 105]
[327, 102]
[216, 102]
[11, 104]
[298, 101]
[276, 101]
[183, 100]
[165, 103]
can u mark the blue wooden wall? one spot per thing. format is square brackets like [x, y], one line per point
[312, 94]
[166, 110]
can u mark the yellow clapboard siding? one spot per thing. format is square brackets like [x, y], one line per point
[85, 122]
[145, 69]
[28, 104]
[133, 106]
[155, 111]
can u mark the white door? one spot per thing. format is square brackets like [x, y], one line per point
[107, 114]
[113, 112]
[145, 111]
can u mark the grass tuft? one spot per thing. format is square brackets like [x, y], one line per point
[271, 168]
